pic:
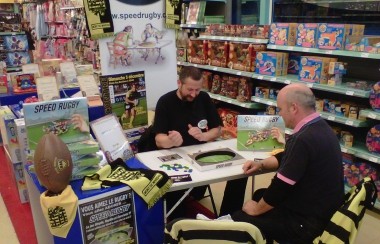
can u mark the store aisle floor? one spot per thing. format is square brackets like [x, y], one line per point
[7, 232]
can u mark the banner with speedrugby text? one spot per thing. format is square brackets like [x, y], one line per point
[141, 42]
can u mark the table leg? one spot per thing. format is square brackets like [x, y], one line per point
[159, 55]
[175, 205]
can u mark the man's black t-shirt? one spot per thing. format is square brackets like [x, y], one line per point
[174, 114]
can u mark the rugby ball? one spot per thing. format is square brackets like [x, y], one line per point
[53, 164]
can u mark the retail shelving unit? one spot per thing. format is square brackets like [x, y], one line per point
[339, 11]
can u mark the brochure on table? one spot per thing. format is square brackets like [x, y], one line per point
[47, 88]
[111, 138]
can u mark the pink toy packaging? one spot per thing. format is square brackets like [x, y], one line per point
[283, 34]
[306, 34]
[332, 36]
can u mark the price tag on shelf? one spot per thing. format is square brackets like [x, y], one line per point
[273, 79]
[274, 46]
[256, 100]
[329, 52]
[344, 149]
[310, 85]
[364, 55]
[290, 48]
[243, 105]
[332, 118]
[195, 65]
[219, 98]
[350, 93]
[214, 37]
[238, 73]
[373, 159]
[245, 39]
[13, 33]
[229, 101]
[235, 39]
[215, 68]
[306, 49]
[270, 103]
[287, 81]
[228, 38]
[349, 122]
[178, 63]
[189, 25]
[371, 115]
[260, 77]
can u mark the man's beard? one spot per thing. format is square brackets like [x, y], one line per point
[187, 98]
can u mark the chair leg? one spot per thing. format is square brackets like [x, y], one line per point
[212, 201]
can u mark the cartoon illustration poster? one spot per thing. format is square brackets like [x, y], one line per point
[260, 132]
[141, 42]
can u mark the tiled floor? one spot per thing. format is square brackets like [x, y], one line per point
[7, 232]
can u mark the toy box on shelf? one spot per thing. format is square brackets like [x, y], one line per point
[218, 53]
[23, 83]
[332, 36]
[242, 56]
[197, 51]
[368, 44]
[314, 69]
[272, 63]
[229, 118]
[283, 34]
[306, 34]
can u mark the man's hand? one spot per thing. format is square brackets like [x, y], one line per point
[196, 133]
[79, 122]
[278, 134]
[251, 166]
[175, 137]
[250, 208]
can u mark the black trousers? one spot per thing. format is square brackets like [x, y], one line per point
[233, 198]
[282, 225]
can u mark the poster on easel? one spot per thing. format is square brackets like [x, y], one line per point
[141, 42]
[109, 217]
[125, 96]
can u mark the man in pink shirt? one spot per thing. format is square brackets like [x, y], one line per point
[308, 187]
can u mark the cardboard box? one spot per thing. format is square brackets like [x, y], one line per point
[197, 51]
[22, 139]
[16, 172]
[218, 53]
[244, 90]
[223, 85]
[314, 69]
[241, 56]
[232, 86]
[346, 139]
[306, 34]
[216, 84]
[294, 63]
[272, 63]
[207, 80]
[319, 104]
[283, 34]
[332, 36]
[9, 135]
[229, 118]
[362, 44]
[356, 30]
[261, 92]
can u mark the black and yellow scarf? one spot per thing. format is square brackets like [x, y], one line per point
[150, 185]
[99, 18]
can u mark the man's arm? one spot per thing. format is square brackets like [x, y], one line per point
[251, 166]
[204, 136]
[173, 139]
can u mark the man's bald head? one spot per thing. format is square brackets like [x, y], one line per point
[299, 94]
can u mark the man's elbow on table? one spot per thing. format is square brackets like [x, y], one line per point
[173, 139]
